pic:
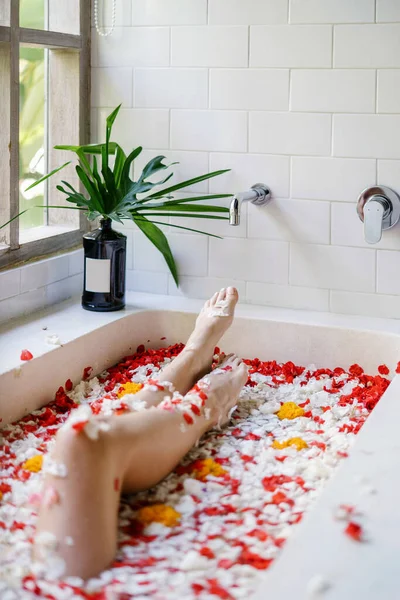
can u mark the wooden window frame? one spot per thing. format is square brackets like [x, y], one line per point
[14, 35]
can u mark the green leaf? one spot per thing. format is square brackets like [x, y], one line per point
[90, 148]
[120, 159]
[186, 215]
[153, 166]
[62, 207]
[125, 179]
[189, 229]
[184, 184]
[109, 124]
[13, 219]
[91, 189]
[185, 207]
[156, 236]
[53, 172]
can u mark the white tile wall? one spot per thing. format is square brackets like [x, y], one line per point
[289, 133]
[250, 12]
[366, 46]
[210, 46]
[332, 267]
[372, 136]
[331, 178]
[234, 89]
[333, 90]
[137, 127]
[169, 12]
[303, 95]
[332, 11]
[291, 46]
[388, 90]
[387, 10]
[209, 130]
[171, 88]
[34, 286]
[111, 86]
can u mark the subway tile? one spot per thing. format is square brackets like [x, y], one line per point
[388, 91]
[290, 133]
[365, 305]
[387, 10]
[333, 90]
[367, 46]
[372, 136]
[348, 230]
[147, 281]
[291, 46]
[9, 283]
[209, 46]
[332, 11]
[22, 304]
[111, 86]
[129, 249]
[249, 169]
[209, 130]
[203, 287]
[123, 13]
[331, 178]
[146, 257]
[189, 165]
[140, 126]
[250, 12]
[190, 253]
[290, 220]
[61, 290]
[249, 89]
[171, 88]
[332, 267]
[132, 47]
[287, 296]
[388, 266]
[44, 272]
[389, 174]
[75, 262]
[254, 260]
[169, 12]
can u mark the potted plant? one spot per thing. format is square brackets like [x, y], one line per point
[112, 195]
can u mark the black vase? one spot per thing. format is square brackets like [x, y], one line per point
[104, 271]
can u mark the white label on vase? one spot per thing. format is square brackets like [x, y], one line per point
[98, 275]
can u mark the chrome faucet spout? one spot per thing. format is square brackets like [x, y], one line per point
[259, 194]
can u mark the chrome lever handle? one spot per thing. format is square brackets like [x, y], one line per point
[374, 211]
[379, 209]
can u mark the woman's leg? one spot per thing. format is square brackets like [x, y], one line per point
[80, 510]
[196, 358]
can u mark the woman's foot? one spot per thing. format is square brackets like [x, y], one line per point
[222, 387]
[213, 321]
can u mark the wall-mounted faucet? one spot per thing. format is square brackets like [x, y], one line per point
[379, 208]
[259, 194]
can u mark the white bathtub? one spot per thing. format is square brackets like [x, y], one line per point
[318, 546]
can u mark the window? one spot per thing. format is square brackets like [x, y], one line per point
[44, 101]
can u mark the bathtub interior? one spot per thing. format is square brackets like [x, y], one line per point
[324, 346]
[34, 384]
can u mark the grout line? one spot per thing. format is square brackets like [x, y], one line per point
[376, 272]
[248, 45]
[333, 45]
[376, 90]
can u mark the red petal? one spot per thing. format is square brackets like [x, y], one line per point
[383, 370]
[26, 355]
[354, 530]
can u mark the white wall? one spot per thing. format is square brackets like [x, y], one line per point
[303, 95]
[32, 287]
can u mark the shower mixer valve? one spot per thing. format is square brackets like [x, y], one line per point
[379, 208]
